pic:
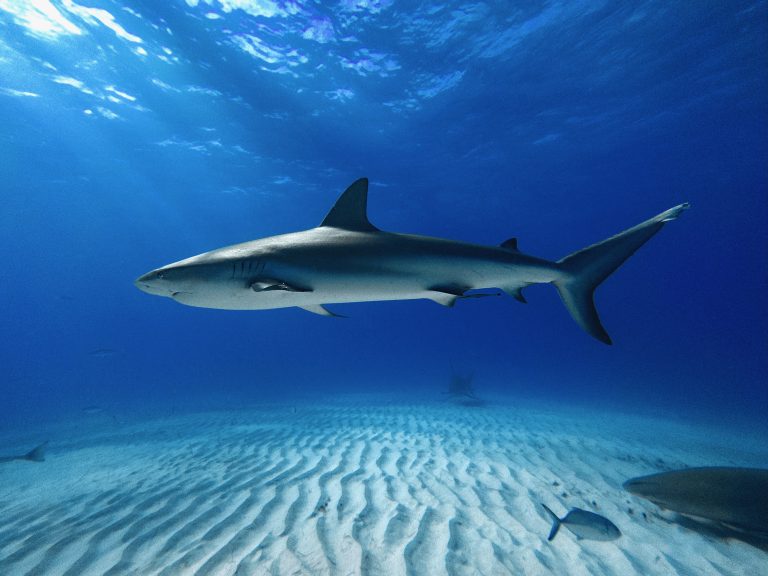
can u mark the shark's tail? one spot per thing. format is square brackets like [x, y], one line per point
[587, 268]
[555, 523]
[37, 454]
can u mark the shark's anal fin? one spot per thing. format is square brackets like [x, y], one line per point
[516, 291]
[517, 294]
[351, 209]
[270, 284]
[321, 310]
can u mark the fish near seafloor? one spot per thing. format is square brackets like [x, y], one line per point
[347, 259]
[37, 454]
[584, 524]
[736, 498]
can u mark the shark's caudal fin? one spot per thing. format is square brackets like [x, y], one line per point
[555, 523]
[587, 268]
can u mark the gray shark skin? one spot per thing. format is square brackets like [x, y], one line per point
[734, 497]
[37, 454]
[584, 524]
[347, 259]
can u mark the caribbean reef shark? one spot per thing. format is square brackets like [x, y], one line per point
[347, 259]
[734, 497]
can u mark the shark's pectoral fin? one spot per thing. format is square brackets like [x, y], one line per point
[270, 284]
[320, 309]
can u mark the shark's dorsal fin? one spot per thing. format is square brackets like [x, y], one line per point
[37, 454]
[510, 244]
[350, 210]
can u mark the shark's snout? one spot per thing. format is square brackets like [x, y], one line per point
[151, 283]
[640, 486]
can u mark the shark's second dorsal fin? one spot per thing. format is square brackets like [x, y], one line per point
[350, 210]
[510, 244]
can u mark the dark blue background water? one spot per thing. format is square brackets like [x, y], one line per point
[139, 133]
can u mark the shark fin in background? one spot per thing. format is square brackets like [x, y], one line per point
[351, 209]
[37, 454]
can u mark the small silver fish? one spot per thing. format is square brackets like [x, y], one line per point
[584, 524]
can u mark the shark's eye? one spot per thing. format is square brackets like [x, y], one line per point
[161, 275]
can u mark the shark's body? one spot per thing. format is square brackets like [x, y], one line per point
[347, 259]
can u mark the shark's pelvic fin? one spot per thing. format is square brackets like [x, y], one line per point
[588, 267]
[322, 310]
[351, 209]
[443, 298]
[446, 295]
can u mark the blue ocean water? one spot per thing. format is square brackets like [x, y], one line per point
[138, 133]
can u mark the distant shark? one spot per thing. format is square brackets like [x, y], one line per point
[347, 259]
[37, 454]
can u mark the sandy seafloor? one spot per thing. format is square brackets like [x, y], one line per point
[359, 487]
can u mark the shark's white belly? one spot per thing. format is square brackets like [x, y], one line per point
[336, 293]
[357, 284]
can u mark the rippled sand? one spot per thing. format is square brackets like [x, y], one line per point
[359, 489]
